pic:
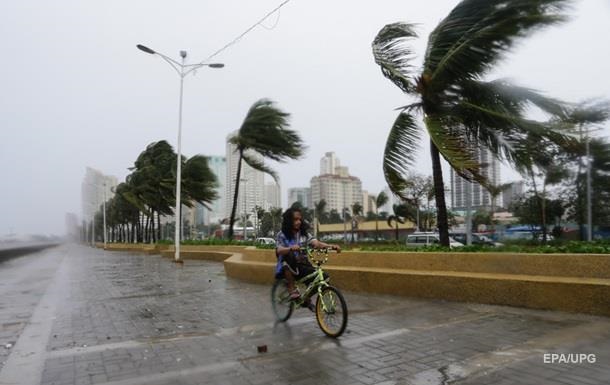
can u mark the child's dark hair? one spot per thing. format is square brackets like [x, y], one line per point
[287, 219]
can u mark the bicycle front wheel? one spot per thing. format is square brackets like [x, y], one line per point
[280, 300]
[331, 312]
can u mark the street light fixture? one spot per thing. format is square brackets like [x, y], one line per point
[183, 70]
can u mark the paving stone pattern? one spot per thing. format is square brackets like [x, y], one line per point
[137, 319]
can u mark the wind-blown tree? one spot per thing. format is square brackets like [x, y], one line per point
[460, 110]
[380, 201]
[588, 116]
[124, 214]
[356, 211]
[552, 166]
[321, 214]
[401, 212]
[576, 188]
[152, 185]
[417, 187]
[265, 131]
[334, 216]
[494, 192]
[199, 182]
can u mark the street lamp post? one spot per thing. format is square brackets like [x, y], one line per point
[245, 214]
[104, 215]
[183, 70]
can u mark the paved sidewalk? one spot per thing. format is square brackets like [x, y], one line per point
[99, 317]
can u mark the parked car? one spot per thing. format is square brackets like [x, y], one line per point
[477, 239]
[265, 241]
[425, 239]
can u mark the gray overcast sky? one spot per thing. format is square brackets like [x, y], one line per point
[75, 91]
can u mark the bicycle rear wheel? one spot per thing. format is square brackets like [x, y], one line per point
[280, 300]
[331, 312]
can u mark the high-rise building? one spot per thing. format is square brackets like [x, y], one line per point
[272, 195]
[511, 193]
[72, 227]
[478, 197]
[367, 204]
[338, 188]
[95, 188]
[216, 213]
[300, 194]
[252, 183]
[329, 163]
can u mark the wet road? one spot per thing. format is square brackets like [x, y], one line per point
[74, 315]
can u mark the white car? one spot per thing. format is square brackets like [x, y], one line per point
[265, 241]
[426, 239]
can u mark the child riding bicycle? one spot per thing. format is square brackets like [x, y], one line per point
[291, 241]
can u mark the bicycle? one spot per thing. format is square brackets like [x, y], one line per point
[330, 308]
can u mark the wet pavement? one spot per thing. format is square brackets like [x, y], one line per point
[75, 315]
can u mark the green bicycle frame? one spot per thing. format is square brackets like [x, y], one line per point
[318, 283]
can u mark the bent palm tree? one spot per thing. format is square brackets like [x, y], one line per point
[381, 200]
[399, 216]
[494, 192]
[460, 110]
[265, 132]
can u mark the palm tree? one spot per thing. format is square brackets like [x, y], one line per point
[356, 211]
[494, 192]
[381, 200]
[320, 214]
[399, 216]
[199, 182]
[461, 111]
[264, 132]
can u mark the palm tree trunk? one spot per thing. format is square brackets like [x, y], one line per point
[376, 225]
[235, 196]
[439, 195]
[396, 231]
[541, 205]
[158, 226]
[151, 231]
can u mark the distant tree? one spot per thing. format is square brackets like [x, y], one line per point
[401, 212]
[334, 217]
[380, 201]
[264, 131]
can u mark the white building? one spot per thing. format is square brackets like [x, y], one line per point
[218, 165]
[273, 195]
[367, 203]
[329, 163]
[479, 197]
[338, 188]
[300, 194]
[252, 184]
[511, 193]
[95, 188]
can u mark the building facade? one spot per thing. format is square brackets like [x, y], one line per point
[95, 188]
[329, 163]
[216, 213]
[301, 195]
[339, 189]
[252, 184]
[464, 193]
[512, 193]
[273, 196]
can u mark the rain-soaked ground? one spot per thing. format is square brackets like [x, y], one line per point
[75, 315]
